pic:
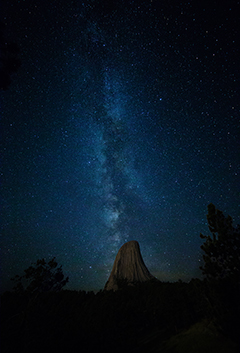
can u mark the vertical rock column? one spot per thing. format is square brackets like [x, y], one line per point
[128, 266]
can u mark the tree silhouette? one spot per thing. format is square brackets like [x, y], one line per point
[222, 247]
[41, 277]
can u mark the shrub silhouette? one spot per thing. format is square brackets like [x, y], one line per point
[42, 276]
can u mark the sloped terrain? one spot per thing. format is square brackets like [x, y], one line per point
[149, 317]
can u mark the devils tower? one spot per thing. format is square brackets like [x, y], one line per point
[128, 267]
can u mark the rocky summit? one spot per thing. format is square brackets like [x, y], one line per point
[128, 268]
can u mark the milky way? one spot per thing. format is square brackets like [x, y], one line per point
[116, 181]
[113, 168]
[116, 177]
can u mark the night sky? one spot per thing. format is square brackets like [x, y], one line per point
[121, 124]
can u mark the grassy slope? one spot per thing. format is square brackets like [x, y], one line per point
[202, 337]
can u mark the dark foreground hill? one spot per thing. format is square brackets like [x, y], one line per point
[150, 317]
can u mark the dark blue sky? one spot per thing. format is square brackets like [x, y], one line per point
[121, 124]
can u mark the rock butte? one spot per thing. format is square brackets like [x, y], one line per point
[128, 266]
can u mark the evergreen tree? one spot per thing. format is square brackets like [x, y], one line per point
[222, 247]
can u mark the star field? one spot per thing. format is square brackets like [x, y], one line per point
[121, 124]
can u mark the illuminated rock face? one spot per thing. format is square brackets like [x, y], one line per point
[128, 267]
